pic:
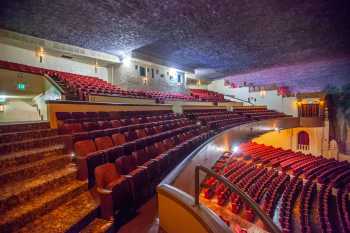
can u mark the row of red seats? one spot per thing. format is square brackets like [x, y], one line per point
[258, 113]
[136, 167]
[95, 86]
[212, 185]
[324, 170]
[342, 200]
[122, 125]
[87, 85]
[207, 95]
[222, 192]
[289, 198]
[113, 115]
[244, 184]
[324, 198]
[274, 192]
[307, 196]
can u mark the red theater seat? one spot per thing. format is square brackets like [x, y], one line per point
[137, 177]
[114, 190]
[119, 139]
[103, 142]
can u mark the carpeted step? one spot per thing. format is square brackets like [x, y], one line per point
[71, 216]
[28, 156]
[14, 219]
[27, 135]
[98, 226]
[35, 169]
[17, 193]
[12, 147]
[23, 126]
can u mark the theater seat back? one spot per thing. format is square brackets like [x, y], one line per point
[103, 142]
[83, 148]
[105, 174]
[118, 138]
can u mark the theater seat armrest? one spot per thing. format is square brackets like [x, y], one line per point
[106, 205]
[143, 167]
[103, 191]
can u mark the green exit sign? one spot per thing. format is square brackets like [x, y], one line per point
[21, 86]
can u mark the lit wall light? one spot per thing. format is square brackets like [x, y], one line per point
[41, 54]
[2, 108]
[96, 67]
[235, 149]
[3, 98]
[262, 93]
[145, 80]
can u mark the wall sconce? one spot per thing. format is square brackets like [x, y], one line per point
[199, 82]
[145, 80]
[2, 108]
[40, 54]
[96, 67]
[262, 93]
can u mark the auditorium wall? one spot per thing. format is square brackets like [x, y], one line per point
[156, 77]
[271, 99]
[288, 139]
[29, 57]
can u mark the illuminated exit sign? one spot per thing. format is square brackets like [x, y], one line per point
[21, 86]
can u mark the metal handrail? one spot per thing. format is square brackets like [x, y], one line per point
[265, 218]
[245, 101]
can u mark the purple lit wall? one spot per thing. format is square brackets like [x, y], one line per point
[303, 77]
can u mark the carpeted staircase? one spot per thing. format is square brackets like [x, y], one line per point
[39, 189]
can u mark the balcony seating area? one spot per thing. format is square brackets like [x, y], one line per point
[277, 180]
[72, 122]
[38, 183]
[258, 113]
[127, 169]
[205, 95]
[218, 119]
[79, 87]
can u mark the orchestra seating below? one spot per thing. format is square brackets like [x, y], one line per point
[274, 177]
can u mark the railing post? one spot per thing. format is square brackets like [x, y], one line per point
[196, 187]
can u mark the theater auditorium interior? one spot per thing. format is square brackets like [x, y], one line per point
[175, 116]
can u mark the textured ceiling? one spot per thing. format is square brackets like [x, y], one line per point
[303, 77]
[220, 36]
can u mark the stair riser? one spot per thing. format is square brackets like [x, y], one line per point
[27, 145]
[20, 136]
[23, 127]
[77, 227]
[17, 223]
[20, 198]
[28, 158]
[34, 171]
